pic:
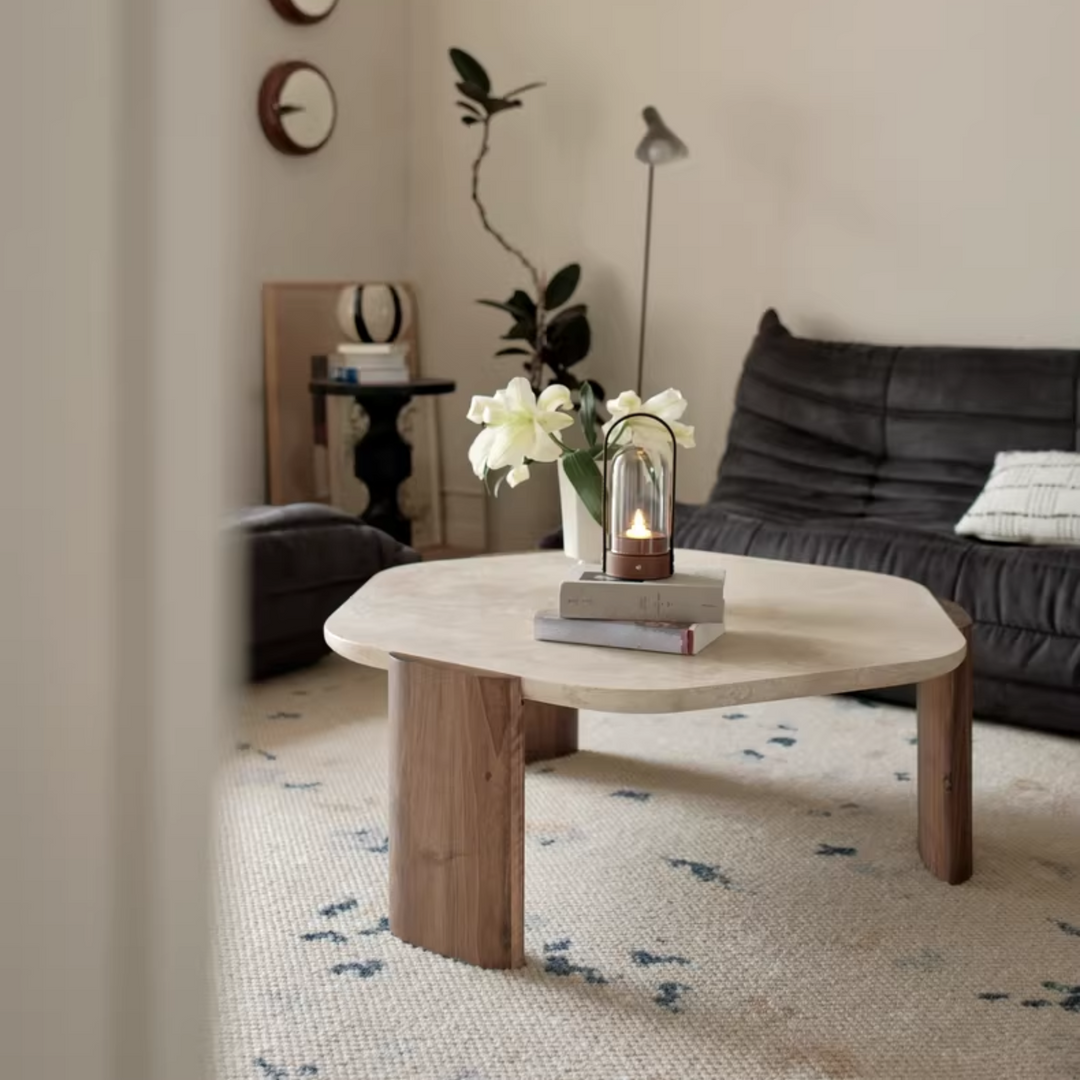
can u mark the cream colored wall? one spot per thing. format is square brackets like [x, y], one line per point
[336, 214]
[118, 219]
[901, 172]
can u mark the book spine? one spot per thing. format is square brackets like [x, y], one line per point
[581, 600]
[674, 640]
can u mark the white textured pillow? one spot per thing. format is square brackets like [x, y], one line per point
[1030, 498]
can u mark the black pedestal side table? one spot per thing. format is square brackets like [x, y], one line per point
[383, 459]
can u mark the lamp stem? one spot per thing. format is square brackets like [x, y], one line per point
[645, 281]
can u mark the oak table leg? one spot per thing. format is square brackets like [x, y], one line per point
[457, 832]
[945, 706]
[551, 731]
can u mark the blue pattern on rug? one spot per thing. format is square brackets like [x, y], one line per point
[280, 1072]
[325, 935]
[647, 959]
[363, 969]
[1067, 928]
[636, 796]
[782, 740]
[373, 840]
[556, 962]
[829, 849]
[332, 911]
[702, 871]
[669, 995]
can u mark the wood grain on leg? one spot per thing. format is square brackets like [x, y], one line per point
[457, 774]
[945, 706]
[551, 731]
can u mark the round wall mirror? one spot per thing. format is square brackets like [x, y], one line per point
[304, 11]
[297, 107]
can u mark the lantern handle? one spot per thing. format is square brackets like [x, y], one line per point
[674, 476]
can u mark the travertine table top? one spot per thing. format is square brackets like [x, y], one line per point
[792, 631]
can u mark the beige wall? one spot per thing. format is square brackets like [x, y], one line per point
[340, 213]
[118, 218]
[895, 171]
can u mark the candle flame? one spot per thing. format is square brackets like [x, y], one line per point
[639, 530]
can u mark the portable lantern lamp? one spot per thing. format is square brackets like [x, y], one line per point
[639, 506]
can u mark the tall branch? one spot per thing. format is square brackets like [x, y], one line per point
[485, 146]
[536, 364]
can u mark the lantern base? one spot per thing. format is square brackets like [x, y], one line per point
[639, 567]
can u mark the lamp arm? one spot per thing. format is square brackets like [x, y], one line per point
[645, 280]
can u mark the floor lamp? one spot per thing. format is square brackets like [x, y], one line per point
[660, 146]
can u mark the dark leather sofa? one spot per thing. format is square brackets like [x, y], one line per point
[303, 562]
[866, 456]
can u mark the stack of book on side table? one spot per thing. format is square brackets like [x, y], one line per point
[371, 365]
[681, 614]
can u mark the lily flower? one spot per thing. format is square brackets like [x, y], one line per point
[518, 428]
[668, 406]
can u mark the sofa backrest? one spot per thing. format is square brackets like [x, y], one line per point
[830, 429]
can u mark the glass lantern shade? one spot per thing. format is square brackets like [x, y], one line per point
[639, 505]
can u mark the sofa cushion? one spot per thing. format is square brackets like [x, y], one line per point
[842, 430]
[1032, 497]
[1024, 602]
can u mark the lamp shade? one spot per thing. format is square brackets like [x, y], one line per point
[661, 145]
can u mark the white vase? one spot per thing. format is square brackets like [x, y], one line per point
[583, 538]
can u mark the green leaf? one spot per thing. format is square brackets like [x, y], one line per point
[568, 341]
[583, 472]
[513, 352]
[470, 69]
[588, 413]
[470, 90]
[561, 287]
[522, 330]
[522, 304]
[468, 106]
[501, 307]
[567, 314]
[523, 89]
[498, 105]
[499, 483]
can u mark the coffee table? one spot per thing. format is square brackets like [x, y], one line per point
[473, 698]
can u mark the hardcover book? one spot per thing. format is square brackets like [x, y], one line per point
[680, 639]
[681, 598]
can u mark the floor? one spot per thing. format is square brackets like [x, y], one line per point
[730, 894]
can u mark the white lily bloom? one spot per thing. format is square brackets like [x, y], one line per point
[668, 405]
[517, 475]
[518, 427]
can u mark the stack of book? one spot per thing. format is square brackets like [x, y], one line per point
[371, 365]
[682, 614]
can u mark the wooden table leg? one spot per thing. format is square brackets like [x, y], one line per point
[551, 731]
[457, 817]
[945, 706]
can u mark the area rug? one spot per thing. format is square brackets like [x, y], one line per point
[724, 894]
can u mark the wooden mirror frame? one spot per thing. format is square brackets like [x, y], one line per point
[288, 10]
